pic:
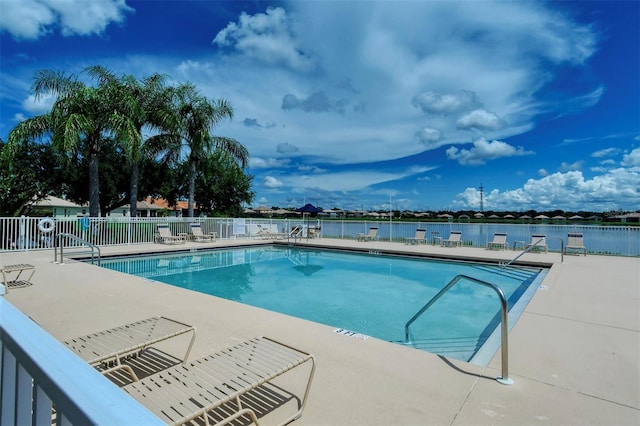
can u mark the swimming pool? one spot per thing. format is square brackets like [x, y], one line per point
[371, 295]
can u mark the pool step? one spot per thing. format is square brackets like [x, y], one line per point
[463, 348]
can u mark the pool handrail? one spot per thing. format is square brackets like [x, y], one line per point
[77, 239]
[531, 247]
[504, 378]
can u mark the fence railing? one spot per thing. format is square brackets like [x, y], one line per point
[25, 234]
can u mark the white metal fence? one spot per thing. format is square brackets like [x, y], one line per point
[25, 233]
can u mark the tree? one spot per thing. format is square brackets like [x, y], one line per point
[28, 175]
[222, 186]
[136, 104]
[194, 118]
[114, 181]
[80, 115]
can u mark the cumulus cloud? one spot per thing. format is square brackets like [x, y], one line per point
[566, 191]
[480, 119]
[41, 105]
[265, 163]
[565, 167]
[32, 19]
[429, 136]
[436, 103]
[272, 182]
[267, 37]
[484, 150]
[632, 159]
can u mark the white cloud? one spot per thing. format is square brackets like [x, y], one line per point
[566, 191]
[632, 159]
[41, 105]
[480, 119]
[543, 172]
[272, 182]
[267, 37]
[311, 169]
[607, 152]
[430, 136]
[376, 84]
[345, 181]
[265, 163]
[565, 167]
[31, 19]
[436, 103]
[484, 150]
[582, 102]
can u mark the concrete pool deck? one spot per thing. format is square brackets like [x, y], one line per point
[574, 354]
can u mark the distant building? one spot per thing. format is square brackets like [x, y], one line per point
[152, 207]
[628, 217]
[58, 207]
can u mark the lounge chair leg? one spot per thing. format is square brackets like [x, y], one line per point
[127, 368]
[237, 415]
[193, 338]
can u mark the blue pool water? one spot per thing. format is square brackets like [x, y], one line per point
[374, 295]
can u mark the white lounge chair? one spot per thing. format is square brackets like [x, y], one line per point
[263, 233]
[418, 238]
[106, 349]
[454, 240]
[191, 391]
[499, 241]
[267, 234]
[164, 235]
[372, 235]
[314, 231]
[575, 243]
[538, 242]
[199, 236]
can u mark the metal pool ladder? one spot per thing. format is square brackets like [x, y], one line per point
[93, 248]
[504, 379]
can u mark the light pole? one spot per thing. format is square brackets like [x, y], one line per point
[390, 219]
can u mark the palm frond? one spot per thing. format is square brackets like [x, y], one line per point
[55, 82]
[237, 150]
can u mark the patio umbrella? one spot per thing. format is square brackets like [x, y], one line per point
[308, 209]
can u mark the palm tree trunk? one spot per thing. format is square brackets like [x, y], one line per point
[133, 189]
[94, 184]
[192, 186]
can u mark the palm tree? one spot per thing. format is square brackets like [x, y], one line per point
[194, 118]
[76, 121]
[136, 104]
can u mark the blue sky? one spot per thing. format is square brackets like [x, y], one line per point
[356, 104]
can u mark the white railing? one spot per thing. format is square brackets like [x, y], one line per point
[44, 383]
[24, 234]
